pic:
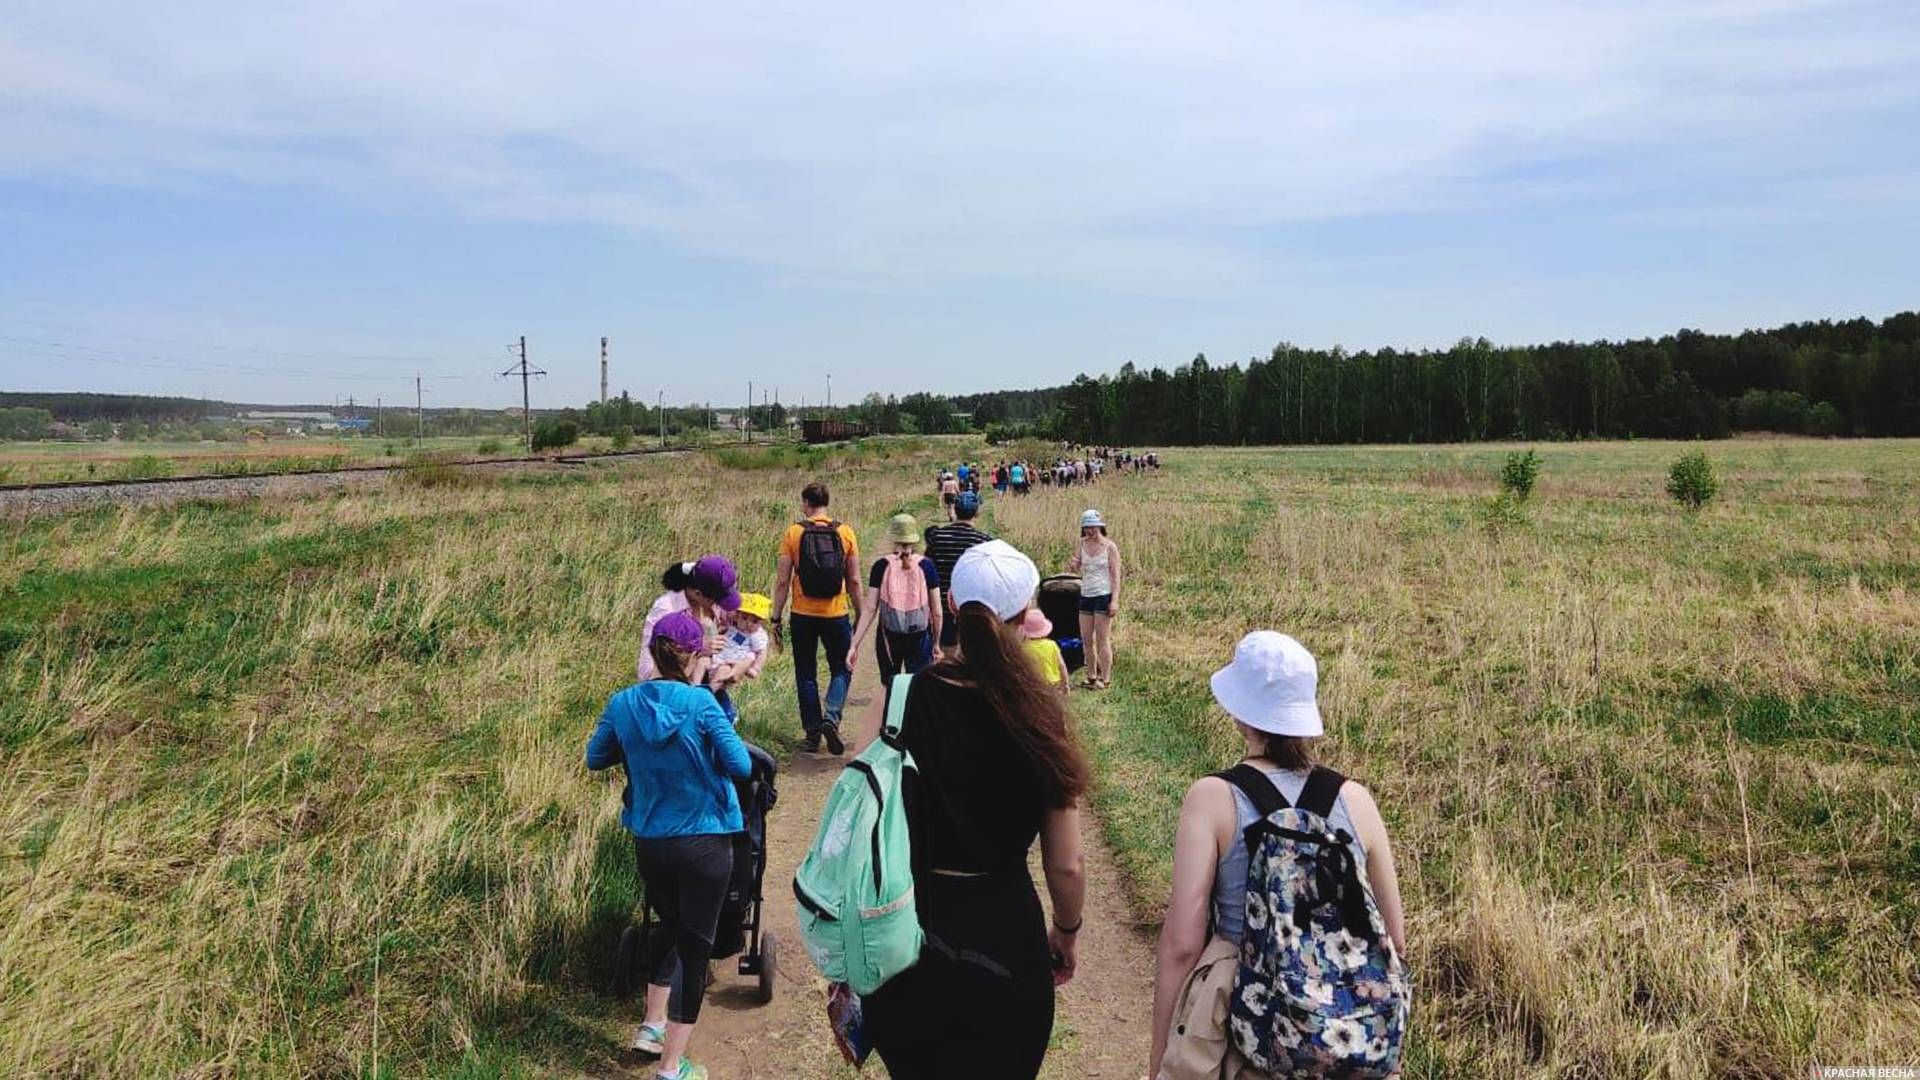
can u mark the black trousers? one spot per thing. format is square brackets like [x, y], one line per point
[952, 1016]
[686, 880]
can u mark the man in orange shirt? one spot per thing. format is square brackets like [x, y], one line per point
[821, 556]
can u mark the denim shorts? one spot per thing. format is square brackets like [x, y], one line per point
[1097, 605]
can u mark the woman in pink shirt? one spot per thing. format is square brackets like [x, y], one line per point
[697, 587]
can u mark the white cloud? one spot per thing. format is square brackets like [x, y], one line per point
[1122, 144]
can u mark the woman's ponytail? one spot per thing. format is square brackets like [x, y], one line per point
[670, 661]
[677, 576]
[993, 656]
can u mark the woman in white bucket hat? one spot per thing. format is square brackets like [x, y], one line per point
[1097, 561]
[1270, 690]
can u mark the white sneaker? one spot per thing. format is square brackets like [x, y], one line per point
[649, 1039]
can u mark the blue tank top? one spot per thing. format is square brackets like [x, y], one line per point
[1230, 877]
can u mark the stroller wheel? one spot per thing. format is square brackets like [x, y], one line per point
[766, 968]
[626, 962]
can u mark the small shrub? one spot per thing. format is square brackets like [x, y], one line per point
[1517, 476]
[553, 434]
[1504, 511]
[437, 471]
[1690, 480]
[622, 438]
[488, 446]
[144, 467]
[1823, 420]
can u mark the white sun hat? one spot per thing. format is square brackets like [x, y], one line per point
[998, 575]
[1092, 520]
[1270, 685]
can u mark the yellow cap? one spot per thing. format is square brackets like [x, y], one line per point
[756, 604]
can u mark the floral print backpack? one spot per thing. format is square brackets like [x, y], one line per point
[1320, 990]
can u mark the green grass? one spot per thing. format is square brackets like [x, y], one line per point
[292, 786]
[1650, 774]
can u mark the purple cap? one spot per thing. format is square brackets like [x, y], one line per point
[714, 576]
[682, 629]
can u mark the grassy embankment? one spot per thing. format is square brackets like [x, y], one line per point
[1651, 776]
[293, 787]
[50, 462]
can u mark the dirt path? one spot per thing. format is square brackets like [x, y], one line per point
[1100, 1029]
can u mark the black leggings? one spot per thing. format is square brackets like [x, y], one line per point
[686, 880]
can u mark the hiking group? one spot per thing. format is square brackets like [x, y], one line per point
[1281, 945]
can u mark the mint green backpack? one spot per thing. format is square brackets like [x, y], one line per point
[855, 888]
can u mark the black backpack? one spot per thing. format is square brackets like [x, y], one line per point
[823, 560]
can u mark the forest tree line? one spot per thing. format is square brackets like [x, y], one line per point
[1855, 377]
[1822, 378]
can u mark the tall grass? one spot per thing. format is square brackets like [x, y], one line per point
[293, 787]
[1650, 774]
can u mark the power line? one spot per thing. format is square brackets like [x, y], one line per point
[526, 372]
[250, 349]
[135, 358]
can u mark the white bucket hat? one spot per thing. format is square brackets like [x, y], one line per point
[1270, 685]
[1092, 520]
[998, 575]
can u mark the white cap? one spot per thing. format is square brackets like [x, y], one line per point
[1092, 520]
[1270, 685]
[995, 574]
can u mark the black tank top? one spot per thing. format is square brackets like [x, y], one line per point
[976, 804]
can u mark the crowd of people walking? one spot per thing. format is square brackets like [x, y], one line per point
[1283, 933]
[1074, 465]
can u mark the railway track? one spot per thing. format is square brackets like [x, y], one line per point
[56, 496]
[345, 470]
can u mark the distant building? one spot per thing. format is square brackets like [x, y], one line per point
[258, 414]
[356, 424]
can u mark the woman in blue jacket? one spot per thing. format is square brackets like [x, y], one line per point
[680, 754]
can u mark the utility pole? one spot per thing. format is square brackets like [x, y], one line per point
[661, 408]
[749, 412]
[419, 413]
[526, 371]
[376, 417]
[829, 391]
[603, 371]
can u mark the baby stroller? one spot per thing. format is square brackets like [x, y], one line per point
[1060, 603]
[740, 929]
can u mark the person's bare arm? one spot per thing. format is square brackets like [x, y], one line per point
[867, 613]
[1113, 562]
[1205, 817]
[853, 581]
[1382, 875]
[1066, 872]
[782, 584]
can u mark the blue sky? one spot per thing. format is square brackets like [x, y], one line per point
[306, 201]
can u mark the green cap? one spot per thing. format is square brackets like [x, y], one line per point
[903, 529]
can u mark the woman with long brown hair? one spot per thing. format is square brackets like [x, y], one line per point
[996, 767]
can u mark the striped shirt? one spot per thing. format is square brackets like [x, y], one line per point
[946, 543]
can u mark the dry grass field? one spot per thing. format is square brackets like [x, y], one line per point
[1652, 775]
[293, 787]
